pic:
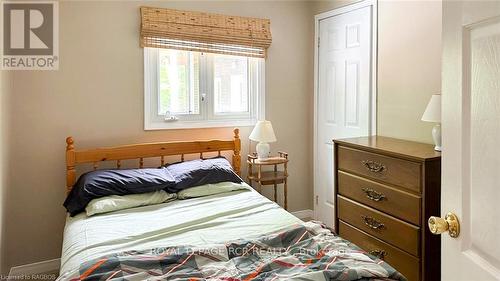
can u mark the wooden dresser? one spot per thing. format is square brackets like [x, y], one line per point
[386, 189]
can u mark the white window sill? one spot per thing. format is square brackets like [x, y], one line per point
[176, 125]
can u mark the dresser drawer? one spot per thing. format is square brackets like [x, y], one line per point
[375, 166]
[403, 262]
[389, 229]
[398, 203]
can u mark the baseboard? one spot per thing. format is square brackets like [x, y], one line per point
[34, 268]
[303, 214]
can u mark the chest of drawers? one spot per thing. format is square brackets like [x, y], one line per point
[385, 191]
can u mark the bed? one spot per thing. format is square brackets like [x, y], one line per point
[237, 235]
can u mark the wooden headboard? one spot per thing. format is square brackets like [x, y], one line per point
[147, 150]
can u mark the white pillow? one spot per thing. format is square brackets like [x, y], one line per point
[115, 202]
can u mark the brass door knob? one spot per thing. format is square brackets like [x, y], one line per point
[450, 223]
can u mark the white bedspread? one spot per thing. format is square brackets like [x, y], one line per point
[197, 221]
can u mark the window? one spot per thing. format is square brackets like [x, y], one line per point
[185, 89]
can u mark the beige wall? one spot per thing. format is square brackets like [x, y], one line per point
[3, 155]
[97, 97]
[409, 64]
[318, 7]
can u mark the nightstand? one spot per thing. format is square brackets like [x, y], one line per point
[272, 177]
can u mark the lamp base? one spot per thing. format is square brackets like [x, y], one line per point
[263, 150]
[436, 136]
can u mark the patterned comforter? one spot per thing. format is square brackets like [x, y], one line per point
[304, 252]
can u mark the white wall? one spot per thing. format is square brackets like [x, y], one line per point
[97, 97]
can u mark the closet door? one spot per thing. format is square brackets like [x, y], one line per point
[343, 100]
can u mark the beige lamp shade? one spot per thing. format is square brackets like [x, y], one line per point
[433, 111]
[263, 132]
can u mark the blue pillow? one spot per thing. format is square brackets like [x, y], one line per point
[102, 183]
[201, 171]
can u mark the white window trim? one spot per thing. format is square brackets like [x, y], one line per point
[232, 120]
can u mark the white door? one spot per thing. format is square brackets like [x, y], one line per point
[471, 139]
[343, 103]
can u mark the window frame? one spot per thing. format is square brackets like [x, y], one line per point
[207, 118]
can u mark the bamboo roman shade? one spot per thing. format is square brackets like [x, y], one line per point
[204, 32]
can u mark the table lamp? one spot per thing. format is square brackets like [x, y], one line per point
[264, 134]
[433, 114]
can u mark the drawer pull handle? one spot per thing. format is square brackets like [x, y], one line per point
[372, 223]
[378, 253]
[373, 166]
[372, 194]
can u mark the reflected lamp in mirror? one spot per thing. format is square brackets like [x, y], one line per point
[264, 134]
[433, 114]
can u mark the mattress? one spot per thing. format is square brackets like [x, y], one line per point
[192, 222]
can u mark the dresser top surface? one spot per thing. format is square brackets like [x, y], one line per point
[393, 147]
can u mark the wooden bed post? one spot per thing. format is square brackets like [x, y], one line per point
[237, 149]
[70, 164]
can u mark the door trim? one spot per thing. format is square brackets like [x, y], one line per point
[373, 82]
